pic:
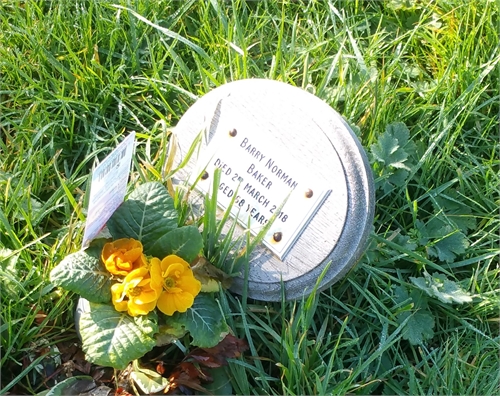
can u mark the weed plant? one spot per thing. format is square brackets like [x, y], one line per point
[418, 82]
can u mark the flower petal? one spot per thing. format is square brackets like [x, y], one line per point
[138, 273]
[166, 303]
[117, 297]
[172, 259]
[117, 291]
[183, 301]
[155, 273]
[146, 297]
[189, 284]
[142, 261]
[140, 309]
[121, 306]
[174, 270]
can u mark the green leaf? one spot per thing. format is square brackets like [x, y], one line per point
[149, 381]
[393, 156]
[397, 5]
[455, 211]
[406, 242]
[394, 146]
[442, 240]
[388, 151]
[452, 244]
[203, 320]
[185, 242]
[221, 384]
[417, 298]
[441, 287]
[419, 327]
[8, 273]
[148, 215]
[84, 273]
[72, 386]
[112, 338]
[167, 333]
[420, 324]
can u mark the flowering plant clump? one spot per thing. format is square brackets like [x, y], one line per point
[142, 288]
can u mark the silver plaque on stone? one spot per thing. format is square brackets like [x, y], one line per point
[280, 148]
[265, 180]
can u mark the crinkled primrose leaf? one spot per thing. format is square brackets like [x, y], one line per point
[185, 242]
[148, 215]
[114, 339]
[203, 320]
[83, 272]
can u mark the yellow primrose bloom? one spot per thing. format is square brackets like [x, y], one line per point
[123, 256]
[179, 285]
[137, 294]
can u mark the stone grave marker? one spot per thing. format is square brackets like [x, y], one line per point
[280, 147]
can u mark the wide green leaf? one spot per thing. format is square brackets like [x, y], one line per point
[420, 324]
[439, 286]
[204, 321]
[221, 384]
[77, 385]
[185, 242]
[112, 338]
[148, 381]
[84, 273]
[419, 327]
[442, 240]
[148, 215]
[168, 333]
[9, 277]
[392, 156]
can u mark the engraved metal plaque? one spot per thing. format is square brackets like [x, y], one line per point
[265, 181]
[273, 141]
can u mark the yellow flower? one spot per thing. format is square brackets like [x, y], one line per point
[179, 285]
[123, 256]
[137, 294]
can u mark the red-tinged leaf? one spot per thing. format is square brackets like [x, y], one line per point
[122, 392]
[206, 359]
[230, 347]
[188, 383]
[160, 368]
[188, 375]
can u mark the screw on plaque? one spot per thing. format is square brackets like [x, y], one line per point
[309, 193]
[233, 132]
[277, 236]
[204, 176]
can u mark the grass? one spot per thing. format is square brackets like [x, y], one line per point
[75, 77]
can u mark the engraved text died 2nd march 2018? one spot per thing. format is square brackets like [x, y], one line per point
[262, 182]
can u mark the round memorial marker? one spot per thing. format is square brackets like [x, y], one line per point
[283, 151]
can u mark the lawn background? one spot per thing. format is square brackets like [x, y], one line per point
[418, 315]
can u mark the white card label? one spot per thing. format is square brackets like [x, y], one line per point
[263, 178]
[108, 188]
